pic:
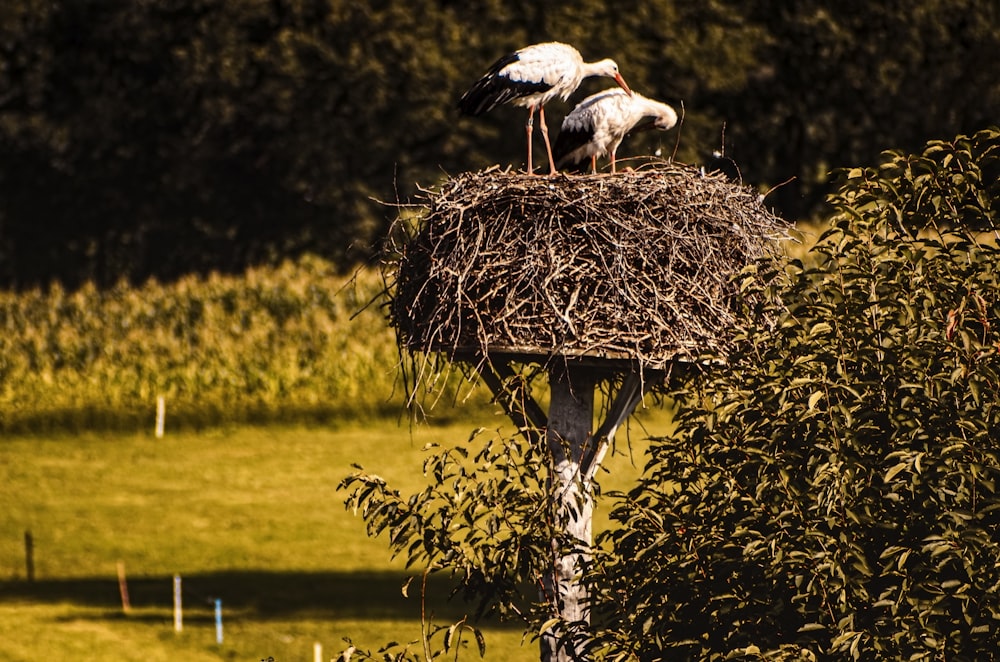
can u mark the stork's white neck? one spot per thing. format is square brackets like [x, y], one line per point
[604, 67]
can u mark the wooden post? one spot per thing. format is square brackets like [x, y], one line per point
[161, 416]
[178, 610]
[218, 621]
[571, 412]
[123, 588]
[29, 555]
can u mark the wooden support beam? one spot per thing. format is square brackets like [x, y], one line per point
[629, 395]
[512, 394]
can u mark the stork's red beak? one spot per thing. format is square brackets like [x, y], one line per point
[624, 85]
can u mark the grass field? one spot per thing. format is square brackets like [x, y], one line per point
[250, 516]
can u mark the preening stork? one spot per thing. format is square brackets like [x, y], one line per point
[531, 77]
[599, 123]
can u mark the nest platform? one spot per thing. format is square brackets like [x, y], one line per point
[633, 268]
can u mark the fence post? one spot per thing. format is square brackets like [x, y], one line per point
[218, 621]
[161, 415]
[178, 615]
[29, 555]
[123, 588]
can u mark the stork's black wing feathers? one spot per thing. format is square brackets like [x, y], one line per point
[498, 66]
[494, 89]
[567, 141]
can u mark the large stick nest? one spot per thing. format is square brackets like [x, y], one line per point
[634, 266]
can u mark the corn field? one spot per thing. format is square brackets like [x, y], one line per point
[273, 344]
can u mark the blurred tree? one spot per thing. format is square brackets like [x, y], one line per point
[151, 139]
[837, 83]
[122, 162]
[158, 138]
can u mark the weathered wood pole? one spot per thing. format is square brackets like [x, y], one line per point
[571, 413]
[29, 556]
[123, 588]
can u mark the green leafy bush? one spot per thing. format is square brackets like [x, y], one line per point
[483, 519]
[832, 492]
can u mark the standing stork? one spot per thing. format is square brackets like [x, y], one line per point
[599, 123]
[531, 77]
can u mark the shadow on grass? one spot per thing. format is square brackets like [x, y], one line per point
[257, 595]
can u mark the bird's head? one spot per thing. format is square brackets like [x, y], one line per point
[657, 115]
[666, 118]
[609, 68]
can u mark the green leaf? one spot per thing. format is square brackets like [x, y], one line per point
[549, 625]
[820, 328]
[811, 627]
[894, 470]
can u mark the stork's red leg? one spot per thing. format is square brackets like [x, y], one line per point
[613, 160]
[593, 164]
[545, 136]
[527, 130]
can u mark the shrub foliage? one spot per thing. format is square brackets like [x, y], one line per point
[833, 491]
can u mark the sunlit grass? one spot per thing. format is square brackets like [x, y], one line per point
[248, 515]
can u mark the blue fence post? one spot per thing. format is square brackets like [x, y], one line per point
[218, 621]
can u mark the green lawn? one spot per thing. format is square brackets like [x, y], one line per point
[247, 515]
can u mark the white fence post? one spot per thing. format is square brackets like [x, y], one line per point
[178, 617]
[161, 415]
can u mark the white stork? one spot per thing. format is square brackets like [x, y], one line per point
[599, 123]
[531, 77]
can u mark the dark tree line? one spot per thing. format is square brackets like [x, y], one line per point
[147, 139]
